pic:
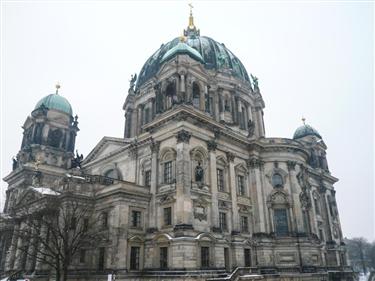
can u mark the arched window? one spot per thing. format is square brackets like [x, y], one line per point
[196, 95]
[167, 166]
[54, 138]
[281, 222]
[316, 204]
[147, 117]
[170, 93]
[227, 105]
[277, 181]
[171, 90]
[112, 173]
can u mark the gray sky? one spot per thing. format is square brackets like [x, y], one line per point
[313, 59]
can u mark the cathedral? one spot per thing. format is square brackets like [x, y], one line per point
[194, 190]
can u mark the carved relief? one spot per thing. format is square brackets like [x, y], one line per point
[223, 205]
[254, 163]
[211, 145]
[154, 146]
[291, 165]
[230, 156]
[166, 199]
[244, 209]
[183, 136]
[200, 209]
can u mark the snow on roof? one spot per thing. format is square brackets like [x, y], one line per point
[45, 190]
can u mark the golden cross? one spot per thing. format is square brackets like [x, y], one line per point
[191, 8]
[57, 87]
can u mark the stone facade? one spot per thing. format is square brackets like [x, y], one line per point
[194, 187]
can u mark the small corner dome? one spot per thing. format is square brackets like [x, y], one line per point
[57, 102]
[305, 130]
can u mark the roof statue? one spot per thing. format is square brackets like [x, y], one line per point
[132, 81]
[255, 82]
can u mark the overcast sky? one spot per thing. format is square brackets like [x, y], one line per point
[313, 59]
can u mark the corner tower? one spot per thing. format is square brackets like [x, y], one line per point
[47, 147]
[49, 132]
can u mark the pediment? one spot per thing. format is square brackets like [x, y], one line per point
[106, 147]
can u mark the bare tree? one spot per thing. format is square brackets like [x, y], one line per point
[54, 235]
[359, 250]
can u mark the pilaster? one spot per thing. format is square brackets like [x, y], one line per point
[257, 194]
[19, 252]
[154, 173]
[296, 203]
[183, 179]
[9, 262]
[233, 191]
[211, 147]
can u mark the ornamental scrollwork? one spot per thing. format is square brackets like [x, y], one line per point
[230, 156]
[183, 136]
[211, 145]
[254, 163]
[154, 146]
[291, 165]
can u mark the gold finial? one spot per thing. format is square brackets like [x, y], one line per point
[191, 18]
[303, 120]
[57, 88]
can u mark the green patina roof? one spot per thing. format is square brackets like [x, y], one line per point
[55, 101]
[212, 54]
[182, 48]
[305, 130]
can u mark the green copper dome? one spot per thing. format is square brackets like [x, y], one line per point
[212, 55]
[57, 102]
[305, 130]
[182, 48]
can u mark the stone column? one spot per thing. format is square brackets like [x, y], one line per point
[140, 118]
[211, 147]
[245, 117]
[183, 180]
[128, 123]
[19, 253]
[10, 257]
[250, 113]
[234, 108]
[182, 87]
[215, 105]
[154, 182]
[257, 195]
[202, 99]
[329, 217]
[189, 89]
[152, 108]
[222, 105]
[31, 257]
[261, 126]
[233, 191]
[295, 194]
[134, 126]
[239, 112]
[39, 265]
